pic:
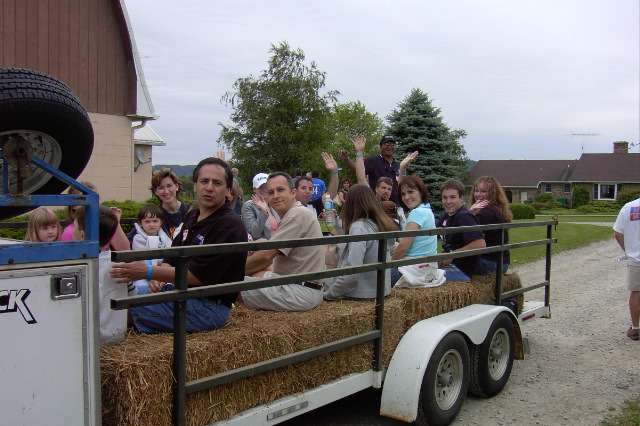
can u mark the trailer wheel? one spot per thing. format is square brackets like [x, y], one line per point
[445, 382]
[491, 361]
[48, 115]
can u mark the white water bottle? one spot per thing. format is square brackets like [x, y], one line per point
[329, 212]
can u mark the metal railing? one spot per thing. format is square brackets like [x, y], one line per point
[182, 293]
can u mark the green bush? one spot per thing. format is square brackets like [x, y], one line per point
[543, 198]
[580, 197]
[627, 195]
[600, 207]
[522, 211]
[538, 206]
[552, 204]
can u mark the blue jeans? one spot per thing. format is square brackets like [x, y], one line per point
[485, 267]
[202, 314]
[395, 276]
[453, 273]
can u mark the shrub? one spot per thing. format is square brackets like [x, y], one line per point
[543, 198]
[601, 207]
[627, 195]
[522, 211]
[538, 206]
[580, 197]
[552, 204]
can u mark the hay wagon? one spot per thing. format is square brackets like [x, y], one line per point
[423, 348]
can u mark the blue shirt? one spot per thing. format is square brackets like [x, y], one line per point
[423, 245]
[318, 188]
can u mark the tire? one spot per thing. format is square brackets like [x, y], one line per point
[49, 115]
[491, 361]
[445, 382]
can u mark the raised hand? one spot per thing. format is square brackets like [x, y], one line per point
[343, 154]
[358, 142]
[408, 160]
[329, 163]
[478, 205]
[260, 203]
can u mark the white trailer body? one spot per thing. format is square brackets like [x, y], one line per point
[48, 314]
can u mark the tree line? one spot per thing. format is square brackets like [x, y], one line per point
[284, 118]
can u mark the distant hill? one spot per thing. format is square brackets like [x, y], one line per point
[178, 170]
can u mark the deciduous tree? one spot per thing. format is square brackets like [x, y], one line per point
[280, 118]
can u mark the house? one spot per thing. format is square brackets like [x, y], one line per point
[89, 45]
[604, 175]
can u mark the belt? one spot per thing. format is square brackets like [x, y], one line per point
[311, 285]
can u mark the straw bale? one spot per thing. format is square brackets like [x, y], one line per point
[422, 303]
[136, 373]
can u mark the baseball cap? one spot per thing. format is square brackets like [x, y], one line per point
[388, 138]
[259, 179]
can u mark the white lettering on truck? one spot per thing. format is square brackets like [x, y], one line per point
[15, 300]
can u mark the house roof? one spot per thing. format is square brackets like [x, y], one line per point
[523, 173]
[607, 168]
[145, 135]
[144, 106]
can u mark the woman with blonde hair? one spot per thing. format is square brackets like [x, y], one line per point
[43, 226]
[489, 204]
[361, 214]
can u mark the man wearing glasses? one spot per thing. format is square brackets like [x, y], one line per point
[383, 165]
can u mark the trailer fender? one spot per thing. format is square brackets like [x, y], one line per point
[403, 380]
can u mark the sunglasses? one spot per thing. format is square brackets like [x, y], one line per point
[389, 143]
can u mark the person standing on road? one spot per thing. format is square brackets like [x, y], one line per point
[627, 234]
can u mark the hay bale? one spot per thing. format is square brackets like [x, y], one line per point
[136, 373]
[422, 303]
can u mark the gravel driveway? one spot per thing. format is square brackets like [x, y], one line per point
[581, 362]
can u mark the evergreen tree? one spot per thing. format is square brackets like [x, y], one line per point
[280, 119]
[418, 126]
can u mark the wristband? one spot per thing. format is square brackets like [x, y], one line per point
[149, 270]
[334, 173]
[359, 155]
[403, 174]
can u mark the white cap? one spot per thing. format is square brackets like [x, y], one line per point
[259, 179]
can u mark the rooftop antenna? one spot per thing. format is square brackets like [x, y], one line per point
[572, 133]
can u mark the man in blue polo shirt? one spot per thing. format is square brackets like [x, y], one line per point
[383, 165]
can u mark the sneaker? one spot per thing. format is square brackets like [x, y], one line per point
[633, 334]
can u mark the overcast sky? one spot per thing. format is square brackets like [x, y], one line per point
[518, 76]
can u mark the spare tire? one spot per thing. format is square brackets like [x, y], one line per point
[45, 112]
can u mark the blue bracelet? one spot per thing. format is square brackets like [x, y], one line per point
[359, 155]
[334, 173]
[149, 270]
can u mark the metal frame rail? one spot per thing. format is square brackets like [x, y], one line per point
[181, 388]
[35, 252]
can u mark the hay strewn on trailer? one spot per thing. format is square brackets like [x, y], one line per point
[136, 373]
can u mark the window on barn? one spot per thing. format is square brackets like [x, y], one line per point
[604, 191]
[567, 188]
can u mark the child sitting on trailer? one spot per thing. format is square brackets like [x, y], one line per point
[113, 324]
[43, 226]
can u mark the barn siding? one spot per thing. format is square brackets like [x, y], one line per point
[81, 42]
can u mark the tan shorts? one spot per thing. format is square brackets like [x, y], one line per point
[633, 278]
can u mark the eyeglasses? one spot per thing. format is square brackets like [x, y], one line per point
[389, 143]
[162, 171]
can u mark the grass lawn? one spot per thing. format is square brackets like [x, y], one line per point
[569, 236]
[630, 415]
